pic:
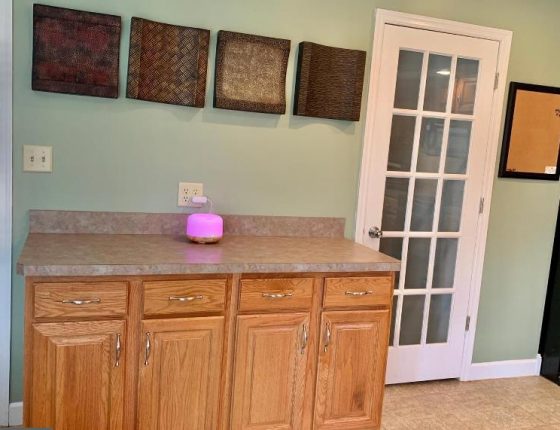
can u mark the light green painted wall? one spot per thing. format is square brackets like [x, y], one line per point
[125, 155]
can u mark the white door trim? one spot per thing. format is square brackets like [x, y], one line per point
[504, 38]
[5, 204]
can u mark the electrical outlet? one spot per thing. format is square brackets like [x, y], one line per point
[37, 158]
[187, 191]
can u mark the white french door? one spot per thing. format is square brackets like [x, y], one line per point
[431, 131]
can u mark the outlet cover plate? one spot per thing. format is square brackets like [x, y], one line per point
[187, 190]
[37, 158]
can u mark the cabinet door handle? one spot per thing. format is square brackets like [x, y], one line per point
[359, 293]
[118, 351]
[148, 350]
[79, 302]
[185, 299]
[327, 336]
[282, 295]
[304, 339]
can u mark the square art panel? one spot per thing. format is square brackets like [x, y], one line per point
[167, 63]
[329, 82]
[251, 73]
[75, 52]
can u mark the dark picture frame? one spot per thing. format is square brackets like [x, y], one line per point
[251, 72]
[529, 137]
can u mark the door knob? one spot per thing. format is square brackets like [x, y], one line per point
[375, 233]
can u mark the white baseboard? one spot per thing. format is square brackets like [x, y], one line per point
[504, 369]
[16, 414]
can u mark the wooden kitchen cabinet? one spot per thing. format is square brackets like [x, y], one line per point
[179, 381]
[270, 371]
[77, 375]
[351, 370]
[208, 352]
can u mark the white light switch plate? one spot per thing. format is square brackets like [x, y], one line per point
[187, 190]
[37, 158]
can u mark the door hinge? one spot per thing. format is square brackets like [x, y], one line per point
[496, 80]
[481, 206]
[468, 323]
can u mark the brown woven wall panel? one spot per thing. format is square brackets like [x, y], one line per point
[251, 73]
[167, 63]
[329, 82]
[75, 52]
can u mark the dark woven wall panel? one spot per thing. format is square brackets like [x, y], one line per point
[167, 63]
[329, 82]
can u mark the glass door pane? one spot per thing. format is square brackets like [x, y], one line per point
[437, 85]
[466, 79]
[431, 138]
[402, 139]
[423, 205]
[438, 321]
[409, 75]
[411, 321]
[394, 205]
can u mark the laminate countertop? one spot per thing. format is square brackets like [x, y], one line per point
[47, 254]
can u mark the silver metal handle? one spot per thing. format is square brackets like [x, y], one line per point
[185, 299]
[79, 302]
[304, 339]
[148, 350]
[327, 337]
[358, 293]
[375, 233]
[277, 295]
[118, 351]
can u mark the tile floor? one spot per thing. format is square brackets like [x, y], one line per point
[512, 404]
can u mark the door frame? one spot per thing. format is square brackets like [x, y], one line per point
[504, 38]
[5, 204]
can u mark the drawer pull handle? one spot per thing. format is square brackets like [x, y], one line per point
[118, 351]
[148, 350]
[185, 299]
[304, 339]
[80, 302]
[327, 336]
[359, 293]
[277, 295]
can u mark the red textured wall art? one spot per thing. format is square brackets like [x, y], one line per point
[75, 52]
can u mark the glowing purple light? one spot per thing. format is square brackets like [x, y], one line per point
[205, 227]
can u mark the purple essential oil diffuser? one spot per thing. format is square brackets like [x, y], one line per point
[204, 227]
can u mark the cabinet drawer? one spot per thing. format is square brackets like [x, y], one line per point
[80, 299]
[276, 294]
[358, 292]
[184, 297]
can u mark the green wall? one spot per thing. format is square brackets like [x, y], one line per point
[124, 155]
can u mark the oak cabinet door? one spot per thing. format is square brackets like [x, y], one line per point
[351, 371]
[270, 372]
[179, 381]
[77, 379]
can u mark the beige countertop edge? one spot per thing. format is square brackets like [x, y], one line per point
[183, 269]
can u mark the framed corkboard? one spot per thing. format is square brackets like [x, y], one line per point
[531, 147]
[75, 52]
[329, 82]
[167, 63]
[251, 73]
